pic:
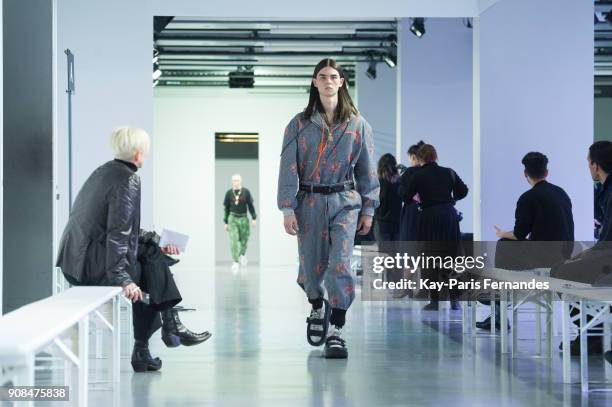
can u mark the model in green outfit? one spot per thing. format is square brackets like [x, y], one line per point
[236, 220]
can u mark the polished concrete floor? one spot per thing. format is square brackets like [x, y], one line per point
[399, 355]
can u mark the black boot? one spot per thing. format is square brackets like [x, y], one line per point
[174, 332]
[142, 361]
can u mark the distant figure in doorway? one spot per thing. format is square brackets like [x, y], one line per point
[236, 220]
[103, 245]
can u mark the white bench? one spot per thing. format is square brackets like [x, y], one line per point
[34, 327]
[593, 302]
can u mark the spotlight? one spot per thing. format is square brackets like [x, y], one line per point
[418, 26]
[468, 22]
[156, 74]
[371, 72]
[390, 60]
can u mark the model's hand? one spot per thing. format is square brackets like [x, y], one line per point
[291, 225]
[254, 223]
[132, 292]
[364, 225]
[225, 227]
[170, 249]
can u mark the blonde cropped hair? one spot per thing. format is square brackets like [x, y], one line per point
[125, 141]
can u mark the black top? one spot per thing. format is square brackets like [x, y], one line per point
[390, 202]
[236, 202]
[545, 214]
[435, 185]
[128, 164]
[604, 201]
[100, 242]
[403, 185]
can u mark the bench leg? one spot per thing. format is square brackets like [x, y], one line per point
[83, 360]
[565, 333]
[24, 376]
[515, 324]
[116, 354]
[584, 368]
[503, 311]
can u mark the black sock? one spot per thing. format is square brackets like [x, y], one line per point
[338, 317]
[316, 303]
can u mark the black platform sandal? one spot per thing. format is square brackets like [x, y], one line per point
[317, 323]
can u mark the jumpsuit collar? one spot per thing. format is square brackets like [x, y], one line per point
[317, 118]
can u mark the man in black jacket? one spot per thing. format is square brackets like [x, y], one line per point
[543, 214]
[100, 246]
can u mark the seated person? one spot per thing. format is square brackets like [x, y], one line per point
[543, 213]
[102, 244]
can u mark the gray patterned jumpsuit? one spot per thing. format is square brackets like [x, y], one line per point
[327, 223]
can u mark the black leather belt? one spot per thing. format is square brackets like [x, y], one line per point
[327, 189]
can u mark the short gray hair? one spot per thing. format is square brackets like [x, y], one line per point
[236, 176]
[125, 141]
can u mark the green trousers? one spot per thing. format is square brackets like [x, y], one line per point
[239, 231]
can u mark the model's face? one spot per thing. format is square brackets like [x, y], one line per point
[236, 183]
[328, 81]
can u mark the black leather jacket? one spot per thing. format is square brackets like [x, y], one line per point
[99, 245]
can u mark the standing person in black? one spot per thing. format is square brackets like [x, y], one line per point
[438, 224]
[410, 212]
[387, 215]
[543, 213]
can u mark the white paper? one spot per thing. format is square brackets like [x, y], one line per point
[170, 237]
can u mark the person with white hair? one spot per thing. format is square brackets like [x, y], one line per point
[103, 244]
[236, 220]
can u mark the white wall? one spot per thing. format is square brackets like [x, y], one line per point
[112, 44]
[249, 171]
[436, 91]
[185, 121]
[536, 94]
[377, 101]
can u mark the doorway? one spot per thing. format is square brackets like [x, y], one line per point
[235, 154]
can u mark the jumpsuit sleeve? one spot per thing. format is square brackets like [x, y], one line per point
[251, 206]
[366, 177]
[226, 207]
[122, 208]
[288, 179]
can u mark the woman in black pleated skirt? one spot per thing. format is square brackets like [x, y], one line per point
[437, 227]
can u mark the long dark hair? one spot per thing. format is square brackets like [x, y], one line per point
[345, 107]
[387, 167]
